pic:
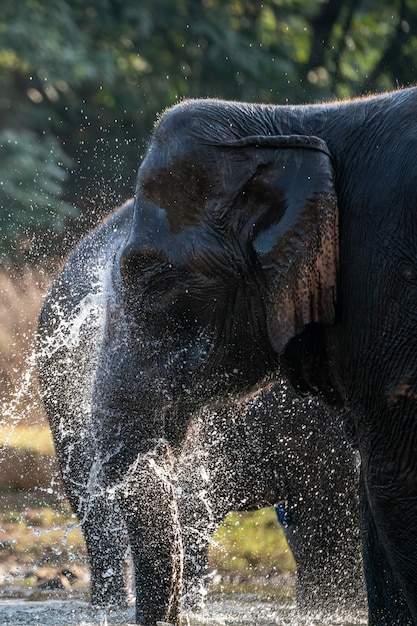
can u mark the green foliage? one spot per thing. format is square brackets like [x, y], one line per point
[251, 542]
[32, 176]
[82, 81]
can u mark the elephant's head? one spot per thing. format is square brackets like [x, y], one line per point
[233, 250]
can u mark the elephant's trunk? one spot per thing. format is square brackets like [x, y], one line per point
[147, 498]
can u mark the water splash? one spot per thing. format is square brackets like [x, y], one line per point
[76, 339]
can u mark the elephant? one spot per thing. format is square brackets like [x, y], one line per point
[265, 240]
[249, 453]
[239, 454]
[306, 217]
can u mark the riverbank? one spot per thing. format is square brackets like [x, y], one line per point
[41, 545]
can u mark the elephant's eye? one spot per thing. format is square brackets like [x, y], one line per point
[134, 262]
[408, 273]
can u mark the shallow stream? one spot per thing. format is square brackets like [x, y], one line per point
[223, 609]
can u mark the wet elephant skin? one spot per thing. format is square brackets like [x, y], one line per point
[267, 239]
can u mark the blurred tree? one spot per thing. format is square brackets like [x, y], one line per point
[81, 82]
[30, 192]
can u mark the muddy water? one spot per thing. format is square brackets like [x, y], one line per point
[225, 609]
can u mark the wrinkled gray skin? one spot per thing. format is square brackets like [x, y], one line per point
[312, 210]
[265, 239]
[248, 454]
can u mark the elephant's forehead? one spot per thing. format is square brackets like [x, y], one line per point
[181, 180]
[162, 232]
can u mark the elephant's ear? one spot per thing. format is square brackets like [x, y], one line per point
[294, 233]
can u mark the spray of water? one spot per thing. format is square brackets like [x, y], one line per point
[228, 460]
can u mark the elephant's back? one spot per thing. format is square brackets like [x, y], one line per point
[86, 267]
[72, 318]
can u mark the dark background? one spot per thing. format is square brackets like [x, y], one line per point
[81, 83]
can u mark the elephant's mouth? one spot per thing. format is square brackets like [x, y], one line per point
[406, 389]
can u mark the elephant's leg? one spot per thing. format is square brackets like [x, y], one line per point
[198, 520]
[195, 514]
[223, 467]
[315, 474]
[106, 539]
[146, 494]
[200, 514]
[197, 510]
[329, 571]
[387, 605]
[390, 486]
[102, 524]
[324, 538]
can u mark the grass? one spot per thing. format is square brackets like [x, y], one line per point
[37, 530]
[251, 543]
[38, 439]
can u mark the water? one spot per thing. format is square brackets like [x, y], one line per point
[223, 609]
[76, 331]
